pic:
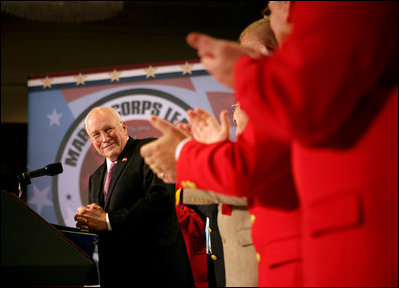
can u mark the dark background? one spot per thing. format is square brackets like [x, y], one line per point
[143, 32]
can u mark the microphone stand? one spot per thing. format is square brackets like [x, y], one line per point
[24, 177]
[23, 180]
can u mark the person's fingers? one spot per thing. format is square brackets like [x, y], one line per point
[186, 128]
[82, 210]
[93, 206]
[206, 116]
[79, 210]
[225, 123]
[195, 119]
[202, 115]
[205, 45]
[82, 226]
[192, 39]
[200, 111]
[224, 118]
[80, 219]
[154, 169]
[208, 119]
[160, 124]
[210, 64]
[169, 178]
[199, 40]
[149, 153]
[191, 114]
[183, 126]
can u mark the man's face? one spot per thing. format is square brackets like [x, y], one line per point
[107, 134]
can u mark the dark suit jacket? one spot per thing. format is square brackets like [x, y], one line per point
[145, 245]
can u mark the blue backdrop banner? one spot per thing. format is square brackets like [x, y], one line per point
[57, 107]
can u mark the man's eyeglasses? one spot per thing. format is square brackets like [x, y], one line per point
[234, 107]
[266, 13]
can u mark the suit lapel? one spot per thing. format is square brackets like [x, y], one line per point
[98, 184]
[120, 166]
[118, 170]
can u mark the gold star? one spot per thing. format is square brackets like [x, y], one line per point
[186, 68]
[150, 71]
[80, 79]
[47, 82]
[114, 76]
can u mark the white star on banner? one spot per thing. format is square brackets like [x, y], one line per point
[54, 118]
[80, 79]
[186, 68]
[47, 82]
[150, 72]
[40, 198]
[114, 75]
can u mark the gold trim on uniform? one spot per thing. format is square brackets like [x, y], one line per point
[252, 218]
[177, 196]
[188, 184]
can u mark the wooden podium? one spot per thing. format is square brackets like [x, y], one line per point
[35, 253]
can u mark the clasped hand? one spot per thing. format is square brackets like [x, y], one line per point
[91, 217]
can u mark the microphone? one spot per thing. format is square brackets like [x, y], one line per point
[50, 170]
[24, 177]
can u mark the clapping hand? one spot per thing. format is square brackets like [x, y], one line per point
[219, 56]
[206, 129]
[160, 154]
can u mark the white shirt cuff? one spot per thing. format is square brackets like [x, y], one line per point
[108, 223]
[180, 146]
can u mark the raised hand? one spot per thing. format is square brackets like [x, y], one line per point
[186, 128]
[219, 56]
[160, 154]
[206, 129]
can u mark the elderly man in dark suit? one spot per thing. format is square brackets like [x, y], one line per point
[132, 210]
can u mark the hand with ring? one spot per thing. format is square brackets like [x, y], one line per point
[154, 169]
[160, 153]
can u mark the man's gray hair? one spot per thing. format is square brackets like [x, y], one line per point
[110, 109]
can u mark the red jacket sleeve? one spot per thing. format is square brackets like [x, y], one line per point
[233, 167]
[320, 80]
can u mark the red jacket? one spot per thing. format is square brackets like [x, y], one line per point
[331, 90]
[193, 230]
[259, 168]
